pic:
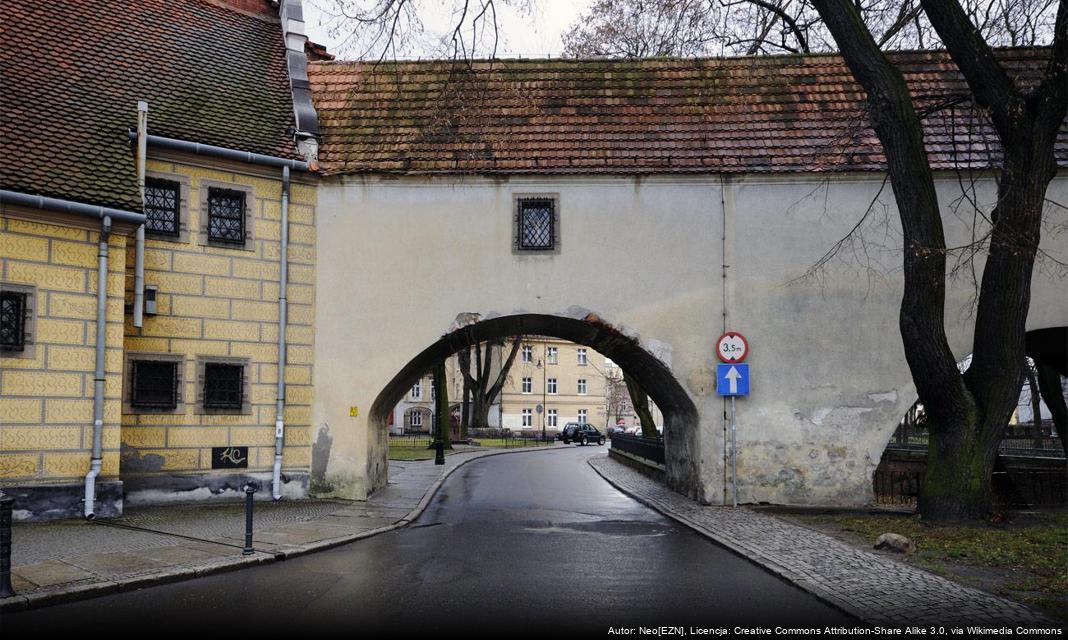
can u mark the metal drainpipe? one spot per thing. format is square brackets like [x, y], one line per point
[283, 311]
[98, 375]
[139, 250]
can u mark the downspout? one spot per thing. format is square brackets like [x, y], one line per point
[283, 311]
[139, 249]
[98, 375]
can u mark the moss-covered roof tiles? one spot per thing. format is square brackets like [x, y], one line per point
[72, 71]
[757, 114]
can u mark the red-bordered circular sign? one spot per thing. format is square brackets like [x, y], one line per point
[732, 347]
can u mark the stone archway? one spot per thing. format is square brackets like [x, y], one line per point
[680, 414]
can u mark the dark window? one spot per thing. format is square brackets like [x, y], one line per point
[536, 224]
[154, 384]
[226, 216]
[12, 321]
[161, 206]
[223, 385]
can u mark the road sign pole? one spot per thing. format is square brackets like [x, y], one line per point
[734, 454]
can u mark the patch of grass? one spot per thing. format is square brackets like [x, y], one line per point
[414, 453]
[1024, 558]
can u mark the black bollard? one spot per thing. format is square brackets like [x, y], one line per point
[250, 490]
[7, 504]
[439, 452]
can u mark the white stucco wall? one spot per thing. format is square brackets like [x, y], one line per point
[399, 259]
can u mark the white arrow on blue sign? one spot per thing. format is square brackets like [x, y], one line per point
[732, 379]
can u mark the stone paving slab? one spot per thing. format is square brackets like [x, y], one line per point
[68, 560]
[875, 589]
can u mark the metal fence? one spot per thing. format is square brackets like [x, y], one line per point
[651, 449]
[1019, 439]
[1018, 481]
[505, 440]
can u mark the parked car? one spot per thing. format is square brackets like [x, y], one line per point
[581, 432]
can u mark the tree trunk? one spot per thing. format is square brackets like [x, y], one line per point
[1036, 405]
[966, 414]
[1049, 383]
[464, 358]
[442, 419]
[640, 400]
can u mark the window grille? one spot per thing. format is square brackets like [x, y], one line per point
[154, 384]
[162, 199]
[226, 216]
[536, 224]
[12, 321]
[223, 385]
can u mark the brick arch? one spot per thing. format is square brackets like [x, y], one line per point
[680, 414]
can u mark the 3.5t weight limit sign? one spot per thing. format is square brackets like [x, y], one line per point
[732, 347]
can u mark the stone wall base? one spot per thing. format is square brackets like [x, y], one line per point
[210, 487]
[58, 501]
[646, 468]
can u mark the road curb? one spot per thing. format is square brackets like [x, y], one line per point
[763, 562]
[86, 590]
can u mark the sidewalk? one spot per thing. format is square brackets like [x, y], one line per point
[876, 589]
[73, 559]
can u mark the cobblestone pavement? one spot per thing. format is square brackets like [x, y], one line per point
[877, 590]
[71, 559]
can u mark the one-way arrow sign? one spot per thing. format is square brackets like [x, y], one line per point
[732, 379]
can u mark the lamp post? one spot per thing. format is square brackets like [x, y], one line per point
[544, 409]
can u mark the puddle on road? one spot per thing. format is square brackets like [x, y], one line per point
[614, 528]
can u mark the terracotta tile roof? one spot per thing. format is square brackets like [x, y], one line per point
[766, 114]
[72, 71]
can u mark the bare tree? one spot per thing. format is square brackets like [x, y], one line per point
[616, 397]
[652, 28]
[485, 385]
[381, 29]
[966, 413]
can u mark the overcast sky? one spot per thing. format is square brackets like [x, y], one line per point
[535, 34]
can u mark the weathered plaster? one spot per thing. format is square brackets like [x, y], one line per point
[407, 256]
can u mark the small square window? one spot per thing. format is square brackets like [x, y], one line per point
[536, 224]
[12, 321]
[226, 216]
[153, 384]
[162, 204]
[224, 385]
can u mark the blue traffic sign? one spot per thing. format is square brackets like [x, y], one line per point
[732, 379]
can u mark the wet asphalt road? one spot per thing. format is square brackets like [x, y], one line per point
[522, 544]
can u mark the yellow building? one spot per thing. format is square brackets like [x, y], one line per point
[553, 382]
[181, 399]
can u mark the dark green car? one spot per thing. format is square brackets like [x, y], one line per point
[580, 432]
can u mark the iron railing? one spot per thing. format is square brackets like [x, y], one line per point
[1019, 439]
[651, 449]
[1018, 481]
